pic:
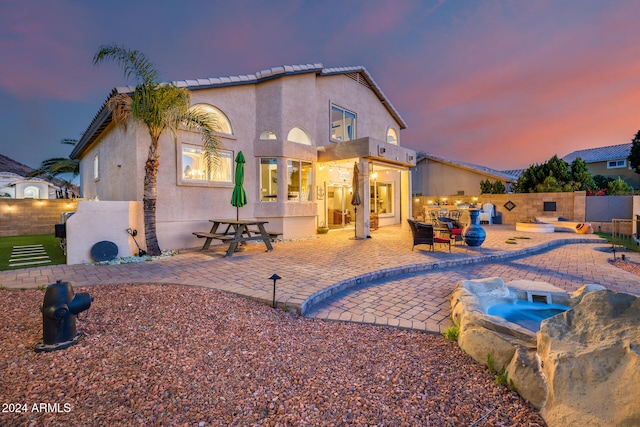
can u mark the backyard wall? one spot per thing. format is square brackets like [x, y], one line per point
[528, 206]
[19, 217]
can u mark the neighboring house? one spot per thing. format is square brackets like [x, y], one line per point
[14, 186]
[441, 177]
[611, 162]
[301, 129]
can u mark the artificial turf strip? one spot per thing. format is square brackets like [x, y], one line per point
[49, 242]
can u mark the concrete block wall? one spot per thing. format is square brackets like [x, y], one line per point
[20, 217]
[528, 206]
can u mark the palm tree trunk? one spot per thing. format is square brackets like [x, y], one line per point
[149, 199]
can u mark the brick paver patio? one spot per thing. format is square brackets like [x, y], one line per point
[378, 280]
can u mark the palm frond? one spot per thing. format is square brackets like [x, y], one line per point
[133, 62]
[204, 122]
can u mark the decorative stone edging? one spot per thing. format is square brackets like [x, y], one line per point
[322, 294]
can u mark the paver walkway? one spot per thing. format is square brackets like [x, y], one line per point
[382, 280]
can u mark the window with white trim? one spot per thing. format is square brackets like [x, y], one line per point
[96, 168]
[299, 135]
[269, 179]
[343, 124]
[381, 197]
[194, 165]
[299, 176]
[267, 135]
[223, 125]
[614, 164]
[392, 136]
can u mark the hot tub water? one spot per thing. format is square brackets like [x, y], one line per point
[526, 313]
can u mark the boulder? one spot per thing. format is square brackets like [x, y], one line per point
[590, 357]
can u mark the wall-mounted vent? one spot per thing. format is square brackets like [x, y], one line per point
[358, 78]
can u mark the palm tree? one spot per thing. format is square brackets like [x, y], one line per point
[56, 166]
[158, 106]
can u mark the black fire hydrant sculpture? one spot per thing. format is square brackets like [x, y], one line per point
[59, 310]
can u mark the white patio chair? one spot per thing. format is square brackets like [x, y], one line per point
[487, 213]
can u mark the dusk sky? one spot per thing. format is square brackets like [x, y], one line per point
[502, 84]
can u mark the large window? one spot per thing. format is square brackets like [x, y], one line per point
[343, 124]
[223, 125]
[381, 197]
[268, 179]
[194, 166]
[299, 178]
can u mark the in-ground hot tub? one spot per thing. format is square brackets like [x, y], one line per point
[535, 227]
[527, 314]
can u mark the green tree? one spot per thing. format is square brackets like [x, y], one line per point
[581, 177]
[555, 175]
[485, 186]
[619, 188]
[159, 107]
[498, 187]
[634, 154]
[601, 182]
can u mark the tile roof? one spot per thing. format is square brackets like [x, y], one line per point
[600, 154]
[102, 119]
[470, 166]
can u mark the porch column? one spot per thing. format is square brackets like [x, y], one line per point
[363, 228]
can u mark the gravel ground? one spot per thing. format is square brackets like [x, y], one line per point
[176, 355]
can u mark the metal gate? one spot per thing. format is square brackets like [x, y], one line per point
[605, 208]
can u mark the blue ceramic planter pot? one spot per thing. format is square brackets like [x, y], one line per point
[473, 234]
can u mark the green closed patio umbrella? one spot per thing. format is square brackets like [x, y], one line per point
[239, 196]
[355, 198]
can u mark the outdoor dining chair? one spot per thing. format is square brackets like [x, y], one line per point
[424, 234]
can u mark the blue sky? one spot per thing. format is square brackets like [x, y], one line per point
[504, 84]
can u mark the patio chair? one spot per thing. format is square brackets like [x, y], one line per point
[487, 213]
[454, 228]
[424, 234]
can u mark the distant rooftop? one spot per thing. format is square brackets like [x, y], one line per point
[600, 154]
[470, 166]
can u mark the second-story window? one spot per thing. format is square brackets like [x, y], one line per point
[343, 124]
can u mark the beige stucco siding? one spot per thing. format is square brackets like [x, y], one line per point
[373, 118]
[120, 165]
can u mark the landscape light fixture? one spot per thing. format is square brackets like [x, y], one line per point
[274, 277]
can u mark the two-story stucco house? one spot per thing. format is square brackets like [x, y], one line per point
[301, 129]
[611, 162]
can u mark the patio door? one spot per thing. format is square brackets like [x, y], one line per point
[339, 209]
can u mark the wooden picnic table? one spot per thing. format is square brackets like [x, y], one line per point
[237, 231]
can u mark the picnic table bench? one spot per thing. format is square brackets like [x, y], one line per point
[237, 232]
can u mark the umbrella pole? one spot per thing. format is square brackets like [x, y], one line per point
[355, 222]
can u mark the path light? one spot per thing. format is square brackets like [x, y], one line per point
[274, 277]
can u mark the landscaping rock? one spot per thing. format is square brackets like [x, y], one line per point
[590, 357]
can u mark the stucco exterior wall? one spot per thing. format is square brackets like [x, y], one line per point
[373, 119]
[629, 176]
[277, 105]
[96, 221]
[442, 180]
[120, 164]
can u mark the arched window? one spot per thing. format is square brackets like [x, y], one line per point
[31, 192]
[266, 135]
[392, 136]
[299, 135]
[224, 125]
